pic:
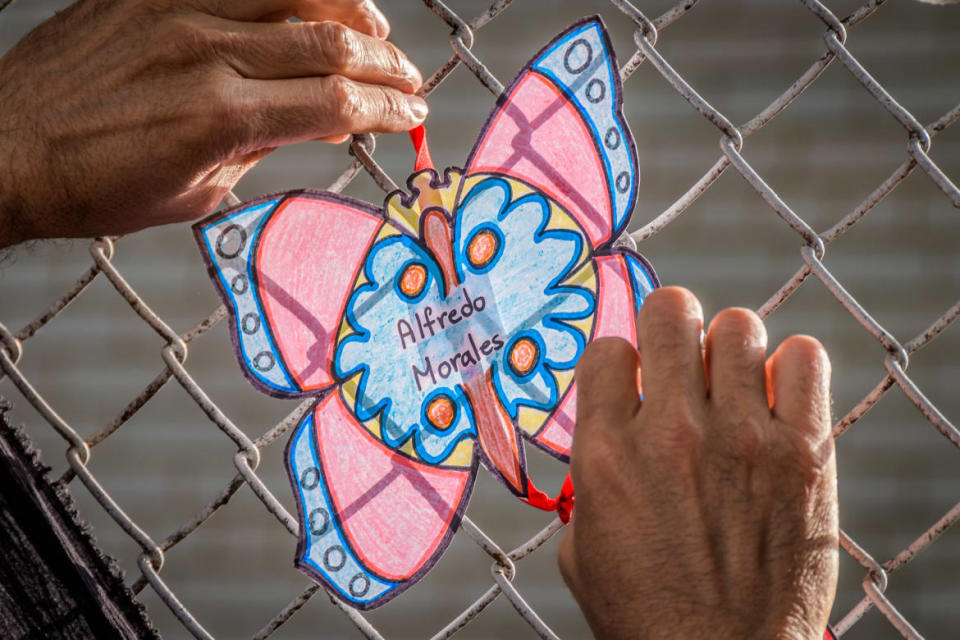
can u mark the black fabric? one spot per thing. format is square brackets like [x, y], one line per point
[55, 583]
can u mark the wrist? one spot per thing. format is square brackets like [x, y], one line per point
[20, 194]
[11, 206]
[11, 214]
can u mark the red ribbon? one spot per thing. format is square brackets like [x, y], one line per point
[562, 504]
[418, 136]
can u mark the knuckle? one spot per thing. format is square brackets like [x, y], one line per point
[681, 416]
[746, 439]
[671, 301]
[600, 475]
[805, 456]
[186, 39]
[600, 353]
[595, 458]
[222, 124]
[676, 431]
[739, 324]
[396, 62]
[214, 7]
[670, 348]
[341, 49]
[807, 349]
[223, 106]
[343, 99]
[664, 328]
[393, 106]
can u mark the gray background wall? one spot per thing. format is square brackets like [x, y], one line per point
[823, 155]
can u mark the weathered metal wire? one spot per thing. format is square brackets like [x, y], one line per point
[893, 354]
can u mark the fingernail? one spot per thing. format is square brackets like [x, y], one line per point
[335, 139]
[418, 107]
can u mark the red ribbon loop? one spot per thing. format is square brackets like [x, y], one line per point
[562, 504]
[418, 136]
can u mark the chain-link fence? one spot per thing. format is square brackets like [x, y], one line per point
[464, 27]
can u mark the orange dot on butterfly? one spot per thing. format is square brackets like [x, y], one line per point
[523, 355]
[440, 412]
[482, 248]
[413, 279]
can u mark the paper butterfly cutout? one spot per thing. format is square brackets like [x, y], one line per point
[441, 330]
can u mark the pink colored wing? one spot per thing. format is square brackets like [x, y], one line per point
[284, 265]
[559, 127]
[624, 280]
[375, 520]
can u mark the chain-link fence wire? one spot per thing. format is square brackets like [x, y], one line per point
[892, 353]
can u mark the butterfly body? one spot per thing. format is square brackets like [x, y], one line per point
[442, 330]
[478, 311]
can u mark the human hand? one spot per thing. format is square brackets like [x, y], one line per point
[123, 114]
[709, 509]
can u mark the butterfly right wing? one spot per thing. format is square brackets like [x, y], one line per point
[624, 280]
[559, 127]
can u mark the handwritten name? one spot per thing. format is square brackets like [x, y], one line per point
[428, 322]
[456, 362]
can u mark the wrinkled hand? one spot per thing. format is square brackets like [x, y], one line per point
[116, 115]
[709, 508]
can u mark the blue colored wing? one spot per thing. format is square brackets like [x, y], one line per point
[372, 522]
[559, 127]
[323, 551]
[284, 265]
[227, 243]
[583, 64]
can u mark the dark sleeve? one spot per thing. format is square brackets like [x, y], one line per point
[55, 583]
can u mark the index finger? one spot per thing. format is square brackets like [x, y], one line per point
[669, 326]
[300, 49]
[360, 15]
[606, 377]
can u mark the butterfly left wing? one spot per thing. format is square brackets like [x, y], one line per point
[284, 264]
[373, 521]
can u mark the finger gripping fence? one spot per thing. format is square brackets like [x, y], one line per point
[893, 354]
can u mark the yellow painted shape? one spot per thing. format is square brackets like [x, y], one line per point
[428, 195]
[530, 419]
